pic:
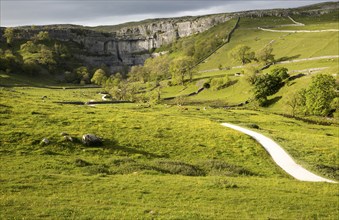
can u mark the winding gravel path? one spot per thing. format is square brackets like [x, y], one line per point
[280, 157]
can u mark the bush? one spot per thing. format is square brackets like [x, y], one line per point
[220, 83]
[207, 85]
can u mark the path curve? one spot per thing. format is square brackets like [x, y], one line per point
[280, 157]
[298, 31]
[295, 23]
[280, 62]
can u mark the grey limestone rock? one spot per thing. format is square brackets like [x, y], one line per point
[91, 140]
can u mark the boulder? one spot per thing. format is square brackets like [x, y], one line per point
[91, 140]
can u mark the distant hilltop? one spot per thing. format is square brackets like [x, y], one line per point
[132, 43]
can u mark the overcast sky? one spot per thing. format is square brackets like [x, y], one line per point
[109, 12]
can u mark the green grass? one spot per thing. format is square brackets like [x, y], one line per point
[144, 168]
[320, 20]
[234, 94]
[269, 21]
[303, 65]
[138, 196]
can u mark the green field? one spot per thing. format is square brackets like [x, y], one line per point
[162, 162]
[285, 46]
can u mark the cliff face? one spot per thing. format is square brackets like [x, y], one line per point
[132, 45]
[127, 46]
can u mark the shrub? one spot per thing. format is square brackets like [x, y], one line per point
[207, 85]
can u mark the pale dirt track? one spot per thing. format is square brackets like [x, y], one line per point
[280, 157]
[298, 31]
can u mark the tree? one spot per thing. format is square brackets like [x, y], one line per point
[29, 47]
[138, 73]
[181, 68]
[123, 90]
[251, 72]
[99, 77]
[82, 74]
[9, 62]
[41, 36]
[264, 86]
[113, 80]
[61, 51]
[46, 56]
[9, 34]
[281, 72]
[188, 47]
[319, 95]
[295, 101]
[265, 54]
[157, 68]
[243, 54]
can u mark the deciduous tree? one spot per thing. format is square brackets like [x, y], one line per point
[265, 54]
[99, 77]
[9, 34]
[243, 54]
[320, 94]
[181, 68]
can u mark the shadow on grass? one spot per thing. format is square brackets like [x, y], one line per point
[296, 77]
[272, 101]
[286, 58]
[113, 145]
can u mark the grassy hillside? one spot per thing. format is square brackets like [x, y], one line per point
[285, 45]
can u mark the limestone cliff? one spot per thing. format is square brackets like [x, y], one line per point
[126, 46]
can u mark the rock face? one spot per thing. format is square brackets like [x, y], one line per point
[126, 46]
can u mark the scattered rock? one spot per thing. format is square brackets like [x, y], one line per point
[44, 141]
[68, 138]
[91, 140]
[106, 97]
